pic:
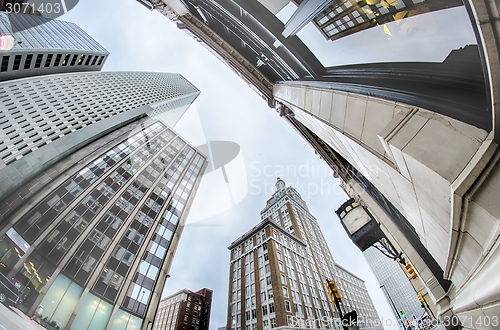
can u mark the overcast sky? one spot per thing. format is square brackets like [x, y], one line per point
[228, 110]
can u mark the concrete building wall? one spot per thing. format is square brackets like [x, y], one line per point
[395, 147]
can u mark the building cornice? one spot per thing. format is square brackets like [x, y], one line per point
[261, 225]
[231, 56]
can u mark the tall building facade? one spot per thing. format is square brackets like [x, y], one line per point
[378, 135]
[279, 269]
[396, 283]
[39, 111]
[185, 310]
[94, 201]
[46, 46]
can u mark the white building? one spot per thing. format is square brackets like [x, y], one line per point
[397, 286]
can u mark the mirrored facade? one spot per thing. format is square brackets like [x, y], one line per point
[91, 247]
[279, 269]
[185, 310]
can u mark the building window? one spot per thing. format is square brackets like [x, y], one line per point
[264, 310]
[48, 60]
[285, 292]
[287, 306]
[27, 62]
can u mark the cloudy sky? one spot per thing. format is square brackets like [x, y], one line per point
[228, 110]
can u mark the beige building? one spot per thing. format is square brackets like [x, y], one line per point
[279, 269]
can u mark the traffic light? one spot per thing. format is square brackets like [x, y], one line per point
[410, 271]
[403, 314]
[333, 290]
[420, 298]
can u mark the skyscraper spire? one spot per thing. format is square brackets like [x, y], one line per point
[280, 185]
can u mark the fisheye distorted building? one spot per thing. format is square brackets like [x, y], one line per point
[397, 286]
[185, 310]
[46, 46]
[379, 135]
[94, 190]
[279, 270]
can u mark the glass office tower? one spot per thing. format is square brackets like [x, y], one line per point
[396, 283]
[94, 192]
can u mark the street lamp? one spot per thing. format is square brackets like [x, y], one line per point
[393, 305]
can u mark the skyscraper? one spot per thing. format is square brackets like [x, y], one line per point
[185, 310]
[279, 270]
[46, 46]
[39, 111]
[94, 199]
[391, 276]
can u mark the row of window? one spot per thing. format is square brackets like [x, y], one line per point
[33, 107]
[30, 61]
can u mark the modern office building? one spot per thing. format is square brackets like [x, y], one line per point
[94, 201]
[397, 286]
[6, 4]
[279, 270]
[39, 111]
[184, 310]
[46, 46]
[376, 125]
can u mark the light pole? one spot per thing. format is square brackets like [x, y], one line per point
[393, 305]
